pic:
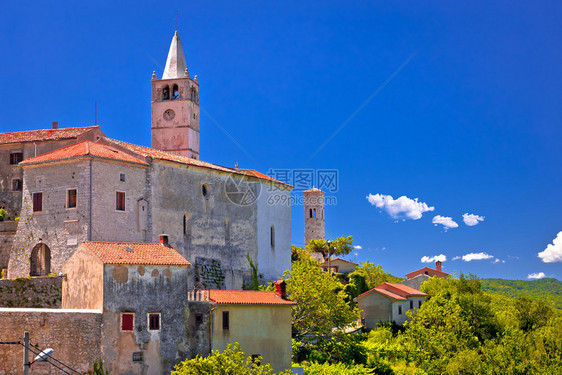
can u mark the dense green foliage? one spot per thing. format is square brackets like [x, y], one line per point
[460, 329]
[322, 310]
[340, 246]
[231, 361]
[549, 290]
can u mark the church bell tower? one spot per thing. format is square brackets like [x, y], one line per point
[175, 106]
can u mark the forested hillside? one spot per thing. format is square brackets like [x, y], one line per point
[547, 289]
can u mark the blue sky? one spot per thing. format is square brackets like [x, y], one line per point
[457, 105]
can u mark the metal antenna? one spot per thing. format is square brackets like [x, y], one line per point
[95, 113]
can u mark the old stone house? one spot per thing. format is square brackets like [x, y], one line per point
[147, 322]
[81, 185]
[388, 302]
[260, 321]
[339, 266]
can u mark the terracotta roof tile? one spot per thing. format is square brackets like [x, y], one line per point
[84, 148]
[43, 135]
[246, 297]
[396, 291]
[163, 155]
[430, 272]
[135, 253]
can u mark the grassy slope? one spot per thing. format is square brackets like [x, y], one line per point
[547, 289]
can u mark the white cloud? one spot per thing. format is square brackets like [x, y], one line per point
[358, 247]
[446, 221]
[476, 256]
[456, 258]
[553, 252]
[440, 257]
[536, 275]
[471, 220]
[401, 208]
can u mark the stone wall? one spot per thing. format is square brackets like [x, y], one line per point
[39, 292]
[73, 334]
[7, 234]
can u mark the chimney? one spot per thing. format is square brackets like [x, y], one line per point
[55, 124]
[438, 265]
[280, 289]
[164, 240]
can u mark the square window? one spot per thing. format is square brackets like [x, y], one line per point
[37, 202]
[17, 184]
[122, 177]
[127, 321]
[138, 356]
[16, 157]
[120, 201]
[154, 321]
[198, 318]
[225, 320]
[71, 198]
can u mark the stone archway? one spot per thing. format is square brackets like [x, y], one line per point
[40, 260]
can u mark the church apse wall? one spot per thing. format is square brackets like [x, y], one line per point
[207, 228]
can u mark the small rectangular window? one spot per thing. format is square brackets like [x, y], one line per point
[120, 201]
[198, 318]
[127, 321]
[16, 157]
[225, 320]
[419, 303]
[399, 310]
[411, 305]
[17, 184]
[154, 321]
[71, 198]
[37, 202]
[122, 177]
[138, 356]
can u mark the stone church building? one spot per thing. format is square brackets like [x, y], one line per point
[73, 185]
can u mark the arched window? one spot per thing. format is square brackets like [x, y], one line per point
[310, 215]
[175, 92]
[194, 95]
[187, 225]
[272, 236]
[314, 213]
[40, 260]
[166, 93]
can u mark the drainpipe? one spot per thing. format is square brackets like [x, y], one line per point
[90, 231]
[35, 146]
[213, 307]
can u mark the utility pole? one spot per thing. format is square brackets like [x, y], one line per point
[26, 363]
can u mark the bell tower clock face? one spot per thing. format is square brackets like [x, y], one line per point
[169, 115]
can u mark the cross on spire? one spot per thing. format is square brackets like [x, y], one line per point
[177, 21]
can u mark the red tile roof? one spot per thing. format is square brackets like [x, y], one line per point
[427, 271]
[246, 297]
[43, 135]
[163, 155]
[396, 291]
[135, 253]
[84, 148]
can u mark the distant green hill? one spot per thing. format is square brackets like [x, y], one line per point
[547, 289]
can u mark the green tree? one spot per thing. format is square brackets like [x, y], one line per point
[531, 314]
[322, 309]
[341, 246]
[231, 361]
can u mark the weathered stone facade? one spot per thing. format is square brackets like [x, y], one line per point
[74, 335]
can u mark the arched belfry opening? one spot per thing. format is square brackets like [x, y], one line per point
[175, 92]
[166, 93]
[40, 260]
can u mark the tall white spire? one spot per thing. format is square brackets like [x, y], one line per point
[175, 64]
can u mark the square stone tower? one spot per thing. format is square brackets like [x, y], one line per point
[175, 106]
[313, 215]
